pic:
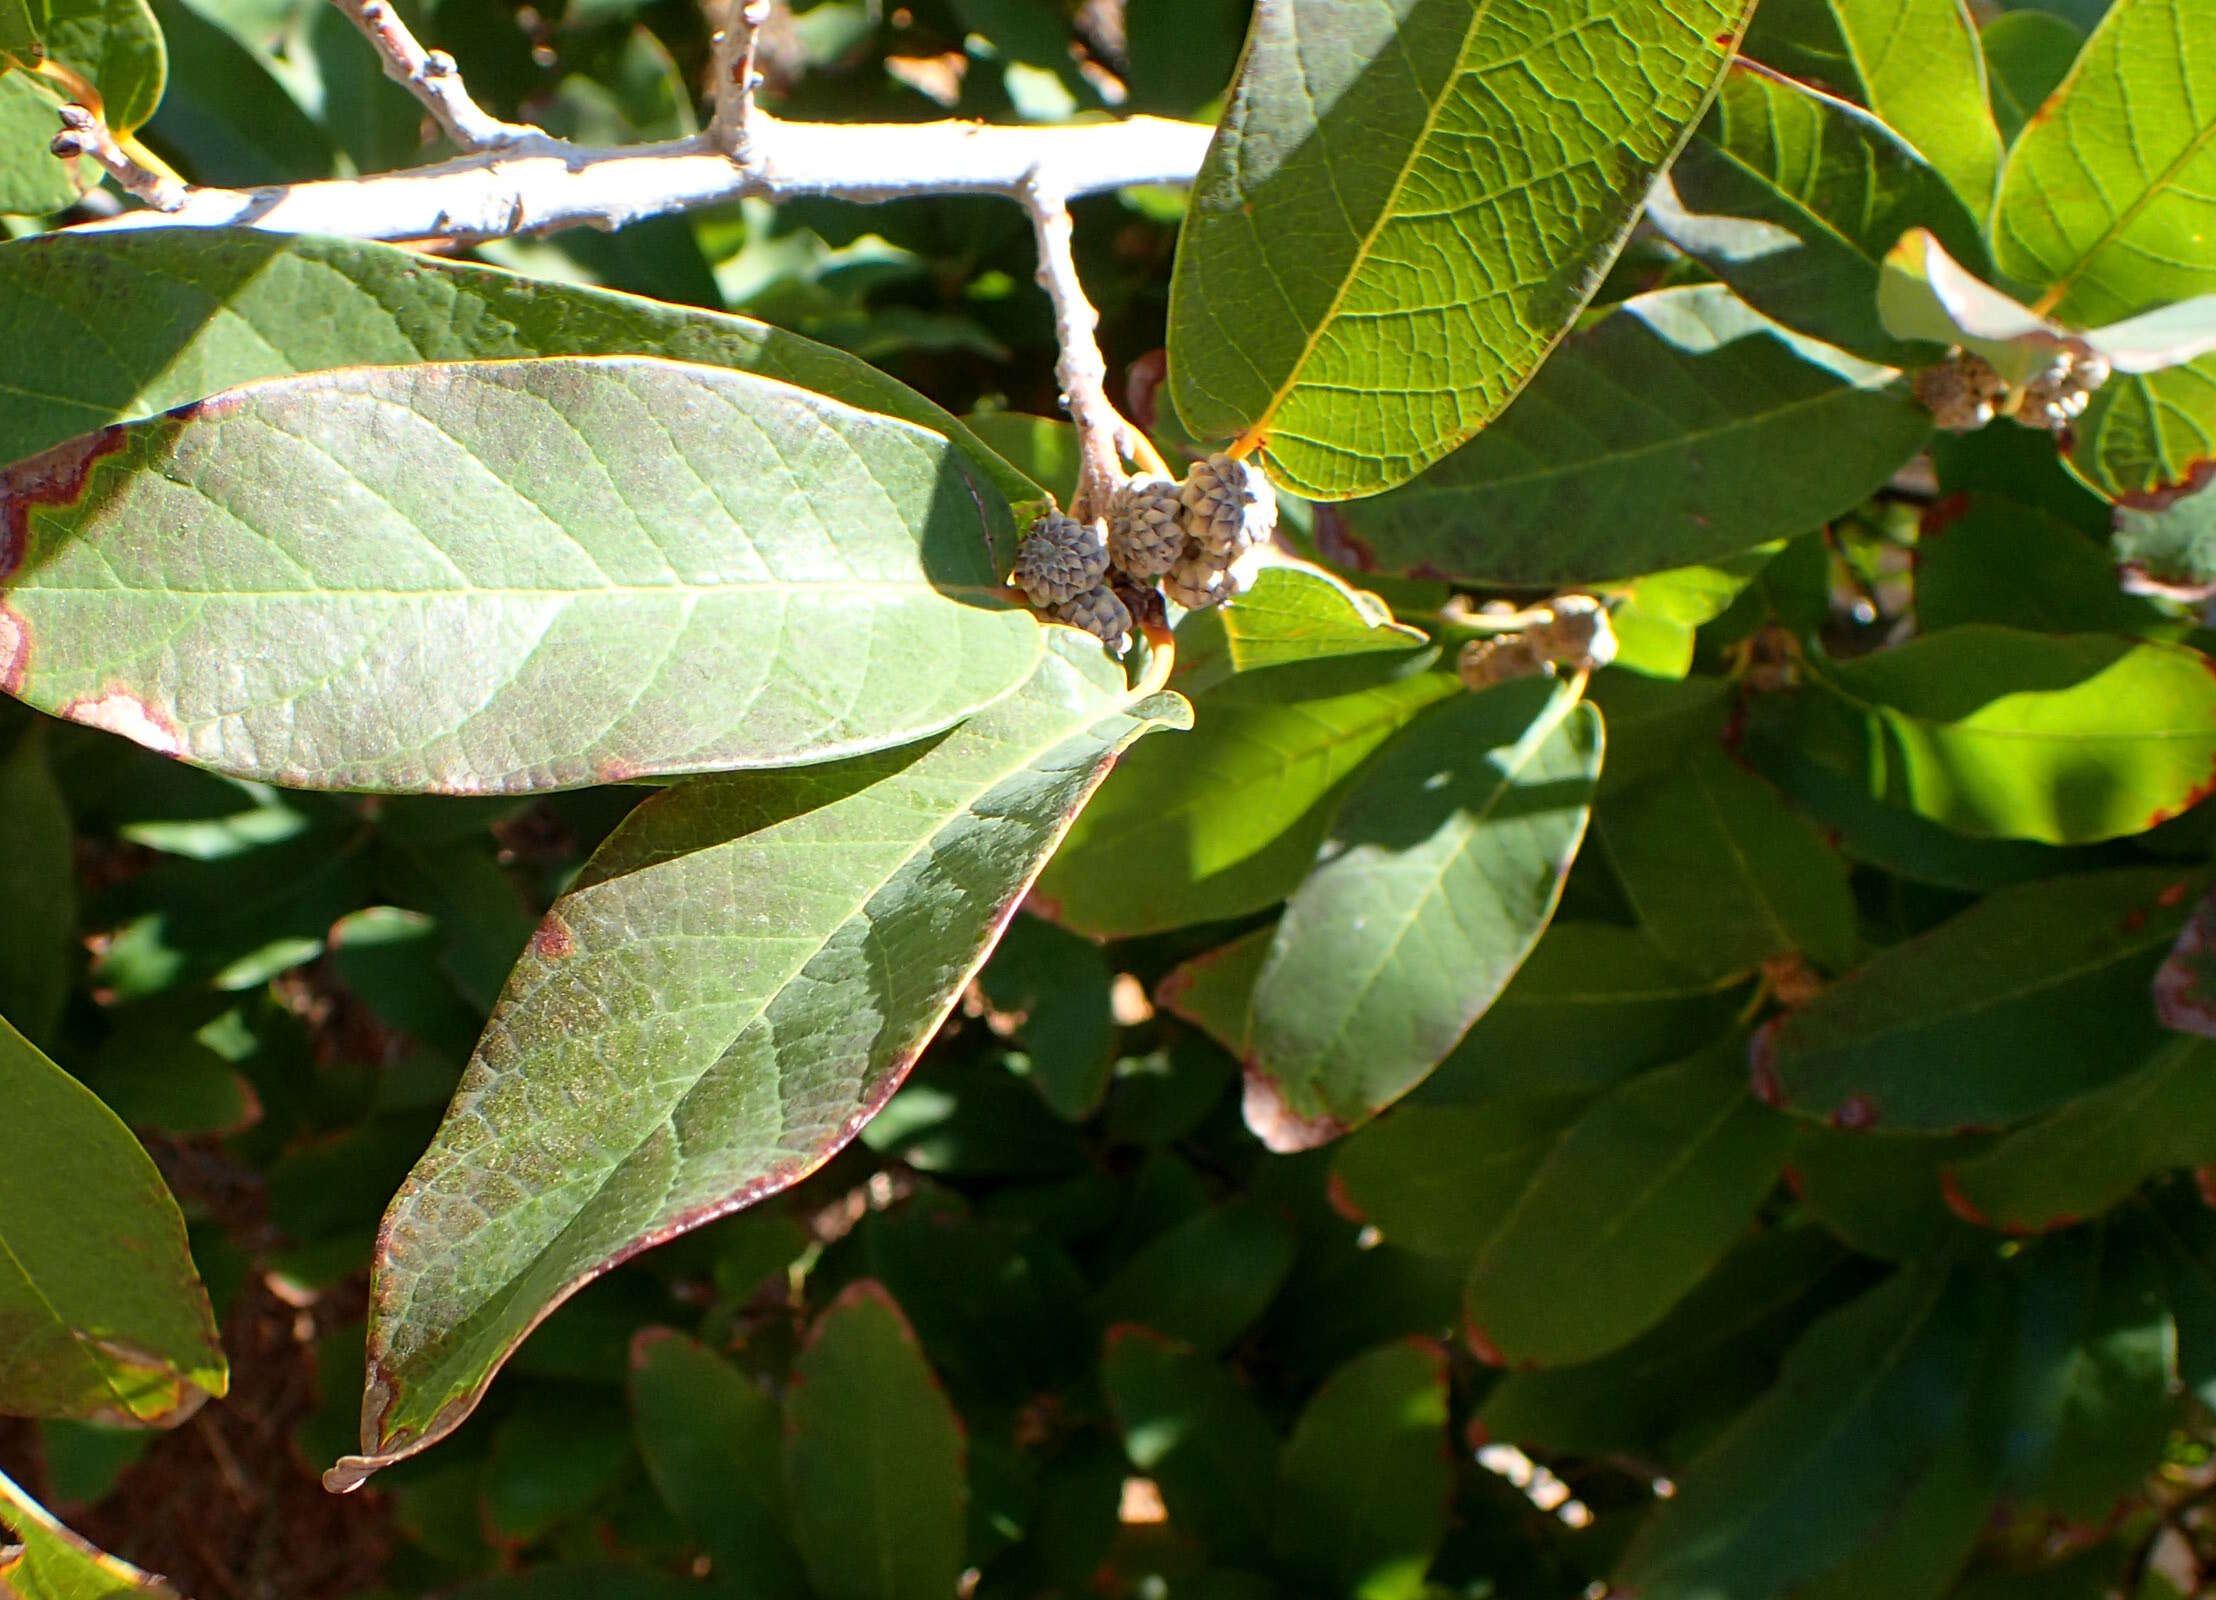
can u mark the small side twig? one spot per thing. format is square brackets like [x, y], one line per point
[731, 126]
[429, 75]
[1104, 439]
[85, 135]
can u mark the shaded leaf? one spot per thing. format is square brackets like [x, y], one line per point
[2165, 543]
[1629, 1210]
[1361, 282]
[1722, 874]
[2032, 997]
[1794, 198]
[873, 1457]
[1056, 986]
[716, 1000]
[1439, 874]
[509, 576]
[1990, 558]
[1439, 1180]
[550, 1464]
[1365, 1482]
[1205, 1281]
[1680, 428]
[1883, 1195]
[1189, 1425]
[710, 1440]
[2027, 55]
[103, 1317]
[1214, 991]
[2000, 733]
[2185, 987]
[2095, 1150]
[38, 883]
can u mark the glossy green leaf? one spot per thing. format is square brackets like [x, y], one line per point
[1999, 733]
[1231, 824]
[1823, 1460]
[1592, 1004]
[1188, 1424]
[1714, 1352]
[2092, 1152]
[1439, 1180]
[132, 324]
[710, 1440]
[2101, 199]
[1364, 278]
[517, 576]
[2150, 433]
[42, 1560]
[2166, 543]
[1722, 874]
[117, 46]
[1364, 1484]
[1680, 428]
[32, 182]
[1438, 875]
[2185, 987]
[38, 882]
[1987, 558]
[2027, 55]
[113, 44]
[1922, 71]
[1630, 1210]
[1291, 617]
[2033, 996]
[104, 1318]
[1794, 198]
[1214, 991]
[728, 955]
[873, 1457]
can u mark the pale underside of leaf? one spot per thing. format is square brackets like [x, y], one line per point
[742, 976]
[507, 576]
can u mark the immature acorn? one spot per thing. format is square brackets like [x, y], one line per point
[2058, 394]
[1060, 559]
[1485, 662]
[1145, 533]
[1201, 580]
[1100, 614]
[1575, 634]
[1963, 393]
[1228, 506]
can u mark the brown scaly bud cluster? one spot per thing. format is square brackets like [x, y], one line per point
[1571, 631]
[1185, 537]
[1963, 393]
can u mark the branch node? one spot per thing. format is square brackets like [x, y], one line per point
[736, 120]
[85, 135]
[431, 76]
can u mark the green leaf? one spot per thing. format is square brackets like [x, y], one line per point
[113, 44]
[1883, 1195]
[2185, 987]
[1056, 987]
[106, 1320]
[519, 576]
[1631, 1209]
[1439, 1180]
[1214, 991]
[1714, 1352]
[2032, 997]
[22, 32]
[42, 1560]
[2165, 543]
[729, 953]
[1291, 617]
[1722, 874]
[1826, 1458]
[32, 182]
[710, 1440]
[1366, 1480]
[1999, 733]
[873, 1457]
[1591, 1005]
[117, 45]
[2027, 55]
[227, 118]
[1189, 1425]
[1681, 428]
[2100, 201]
[1232, 822]
[132, 324]
[1363, 280]
[38, 881]
[2095, 1150]
[1439, 874]
[1205, 1281]
[1923, 73]
[2148, 433]
[549, 1466]
[1794, 198]
[1989, 558]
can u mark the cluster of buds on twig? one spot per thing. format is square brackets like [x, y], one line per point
[1963, 393]
[1569, 632]
[1187, 537]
